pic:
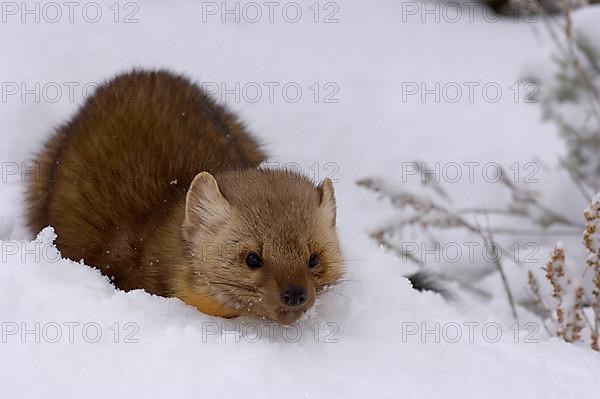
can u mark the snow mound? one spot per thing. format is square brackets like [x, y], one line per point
[67, 330]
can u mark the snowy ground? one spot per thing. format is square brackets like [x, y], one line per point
[368, 338]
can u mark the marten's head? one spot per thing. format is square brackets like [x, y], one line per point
[262, 242]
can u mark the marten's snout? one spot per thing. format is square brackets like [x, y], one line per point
[293, 295]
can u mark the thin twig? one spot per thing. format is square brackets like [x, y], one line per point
[498, 264]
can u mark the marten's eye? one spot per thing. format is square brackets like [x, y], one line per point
[253, 261]
[313, 261]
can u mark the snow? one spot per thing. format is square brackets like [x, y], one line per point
[376, 321]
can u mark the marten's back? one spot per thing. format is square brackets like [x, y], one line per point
[127, 157]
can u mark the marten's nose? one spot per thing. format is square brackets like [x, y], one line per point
[293, 295]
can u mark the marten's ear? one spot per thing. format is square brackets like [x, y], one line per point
[327, 205]
[205, 206]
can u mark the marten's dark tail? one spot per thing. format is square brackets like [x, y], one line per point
[424, 281]
[40, 185]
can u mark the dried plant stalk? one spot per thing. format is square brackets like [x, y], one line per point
[569, 295]
[591, 240]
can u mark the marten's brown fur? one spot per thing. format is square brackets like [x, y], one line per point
[159, 187]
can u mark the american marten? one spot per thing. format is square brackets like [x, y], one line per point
[161, 189]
